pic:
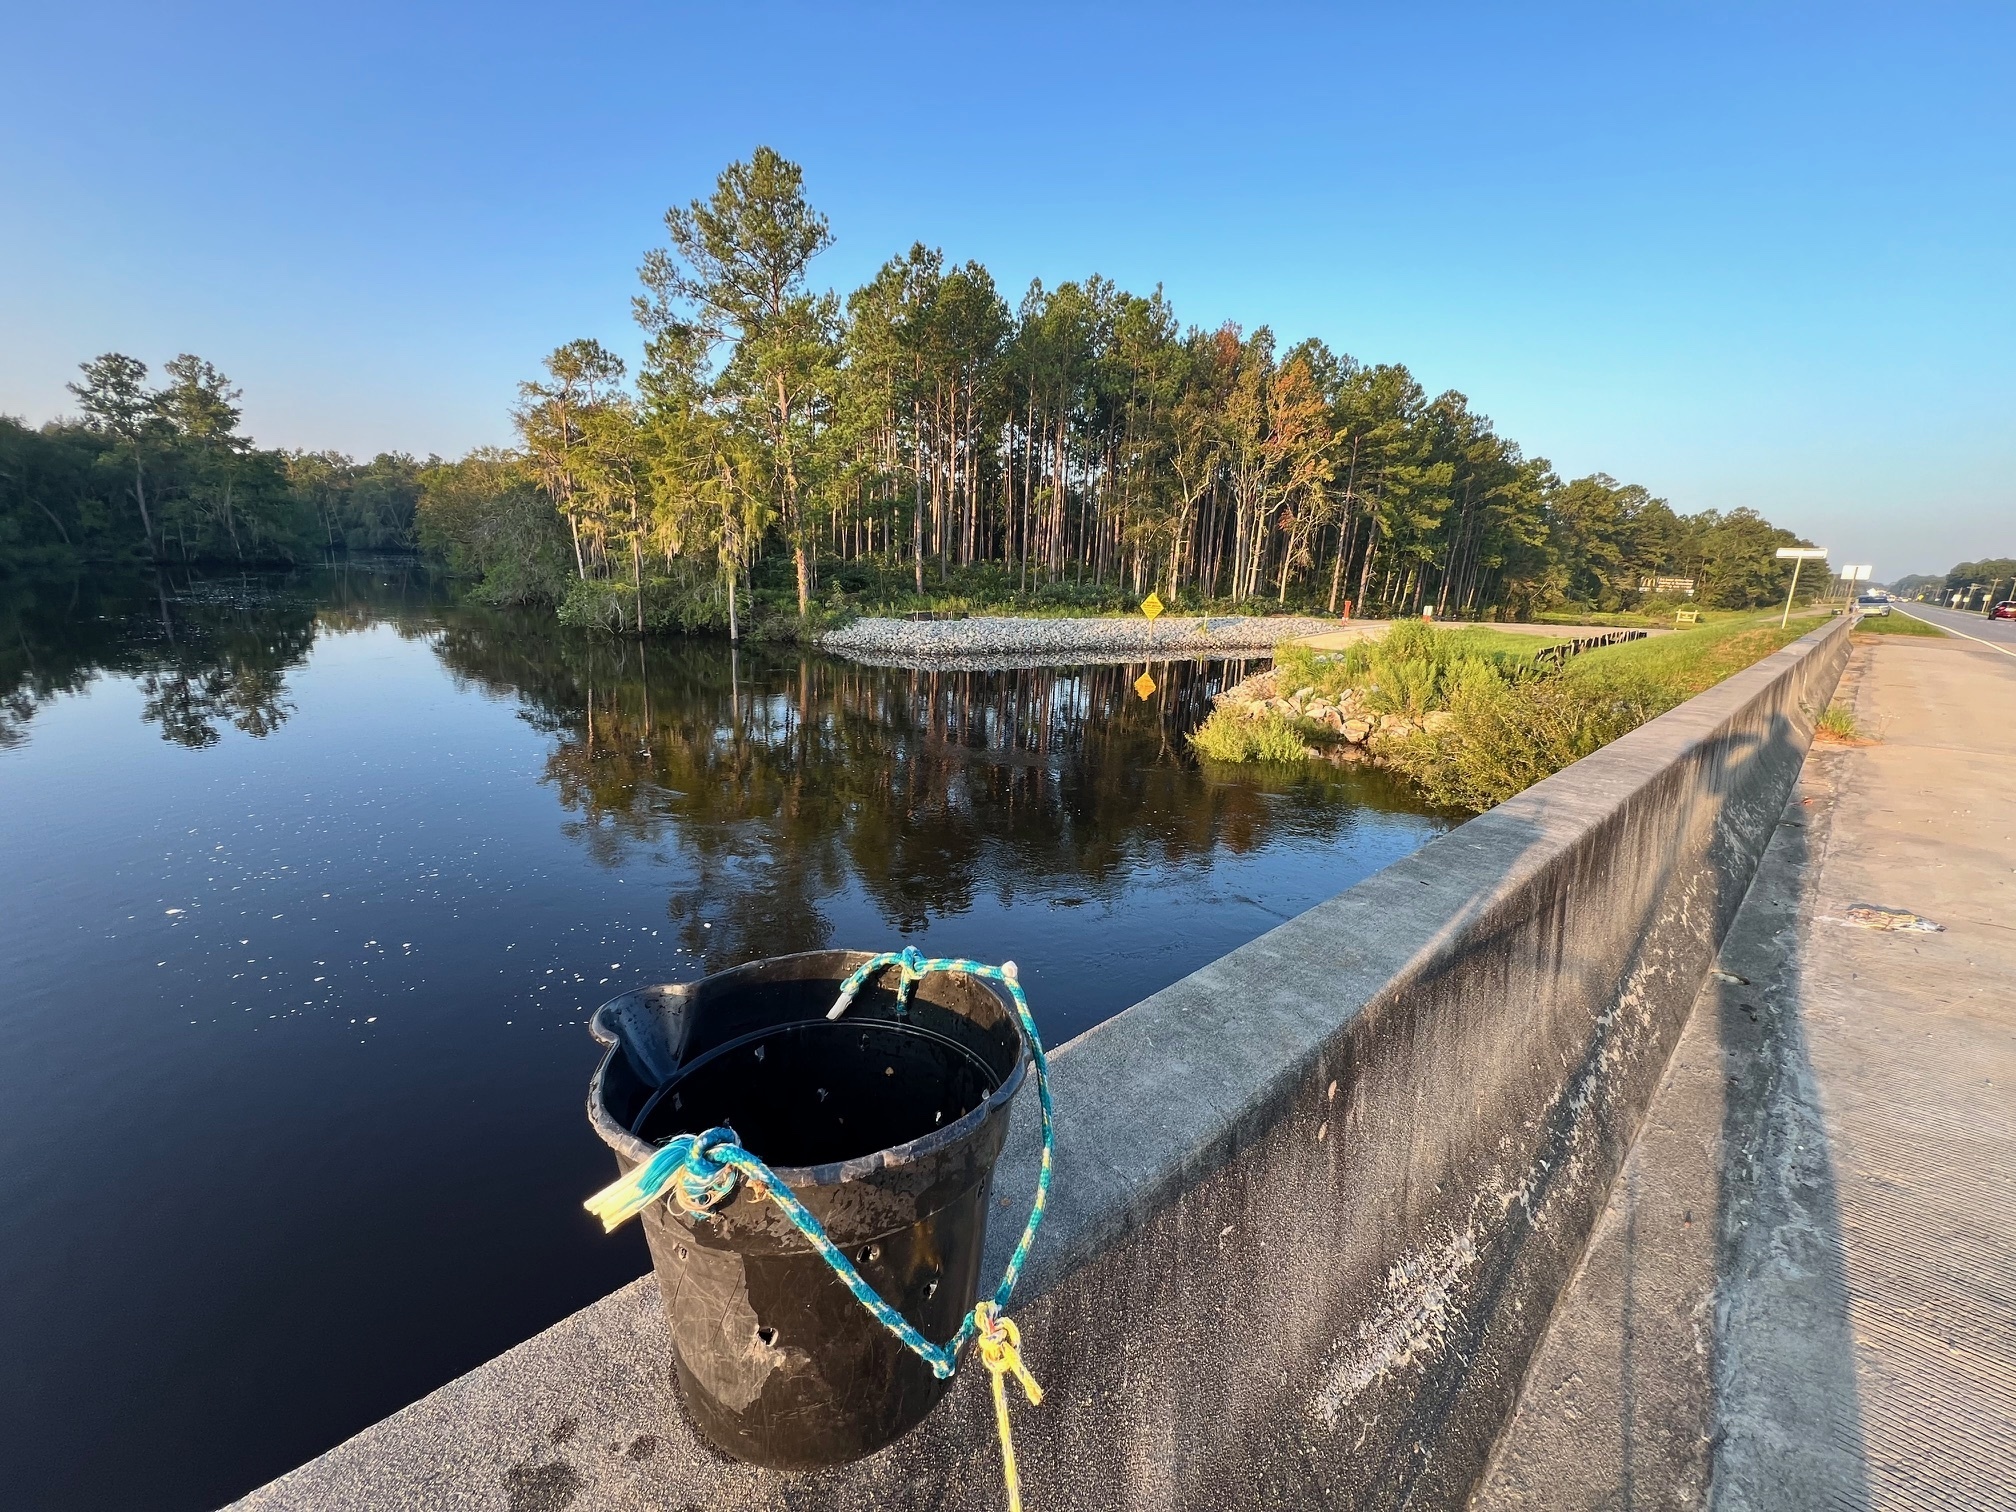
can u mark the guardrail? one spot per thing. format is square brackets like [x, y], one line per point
[1558, 656]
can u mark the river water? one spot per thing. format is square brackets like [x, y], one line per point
[310, 885]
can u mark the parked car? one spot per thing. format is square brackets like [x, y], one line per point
[1869, 603]
[2004, 610]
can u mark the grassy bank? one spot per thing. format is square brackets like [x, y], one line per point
[1896, 623]
[1653, 614]
[1469, 718]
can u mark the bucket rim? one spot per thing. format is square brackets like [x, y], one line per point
[833, 1173]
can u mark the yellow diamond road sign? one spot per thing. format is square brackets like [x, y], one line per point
[1151, 606]
[1144, 684]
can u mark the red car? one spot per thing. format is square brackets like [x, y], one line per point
[2004, 610]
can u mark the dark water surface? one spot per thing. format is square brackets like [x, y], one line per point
[308, 885]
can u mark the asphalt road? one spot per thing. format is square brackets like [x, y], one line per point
[1998, 633]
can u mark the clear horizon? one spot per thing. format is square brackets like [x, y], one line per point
[1739, 257]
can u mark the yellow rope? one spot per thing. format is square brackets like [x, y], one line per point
[1000, 1344]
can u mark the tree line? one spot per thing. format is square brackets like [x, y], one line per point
[923, 435]
[164, 473]
[1972, 585]
[1083, 439]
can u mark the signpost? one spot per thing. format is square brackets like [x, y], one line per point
[1798, 556]
[1152, 606]
[1848, 577]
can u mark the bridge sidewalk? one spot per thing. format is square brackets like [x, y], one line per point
[1803, 1293]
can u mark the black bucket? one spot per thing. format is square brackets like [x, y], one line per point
[885, 1125]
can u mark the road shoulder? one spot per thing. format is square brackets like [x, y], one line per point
[1803, 1290]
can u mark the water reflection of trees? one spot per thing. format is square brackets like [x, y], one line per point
[779, 781]
[362, 592]
[205, 652]
[783, 780]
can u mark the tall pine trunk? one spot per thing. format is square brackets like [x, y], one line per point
[917, 518]
[140, 497]
[637, 564]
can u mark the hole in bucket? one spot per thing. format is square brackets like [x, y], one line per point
[767, 1336]
[823, 1091]
[870, 1253]
[930, 1288]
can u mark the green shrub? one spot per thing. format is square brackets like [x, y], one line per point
[1234, 735]
[781, 624]
[1514, 723]
[1837, 722]
[1413, 670]
[1509, 733]
[596, 605]
[689, 598]
[1506, 736]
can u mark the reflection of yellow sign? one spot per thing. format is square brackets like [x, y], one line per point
[1151, 606]
[1144, 684]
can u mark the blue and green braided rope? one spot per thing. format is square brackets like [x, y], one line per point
[915, 968]
[702, 1169]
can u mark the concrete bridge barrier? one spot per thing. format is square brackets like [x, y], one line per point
[1314, 1202]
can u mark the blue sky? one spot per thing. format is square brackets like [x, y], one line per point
[1742, 255]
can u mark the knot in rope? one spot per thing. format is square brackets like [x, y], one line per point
[689, 1164]
[702, 1183]
[910, 969]
[1000, 1346]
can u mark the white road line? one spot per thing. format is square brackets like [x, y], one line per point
[1991, 645]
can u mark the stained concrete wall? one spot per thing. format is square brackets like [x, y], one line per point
[1314, 1202]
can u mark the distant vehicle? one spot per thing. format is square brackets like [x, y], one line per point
[2004, 610]
[1873, 603]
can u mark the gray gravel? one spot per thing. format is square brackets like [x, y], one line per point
[1002, 642]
